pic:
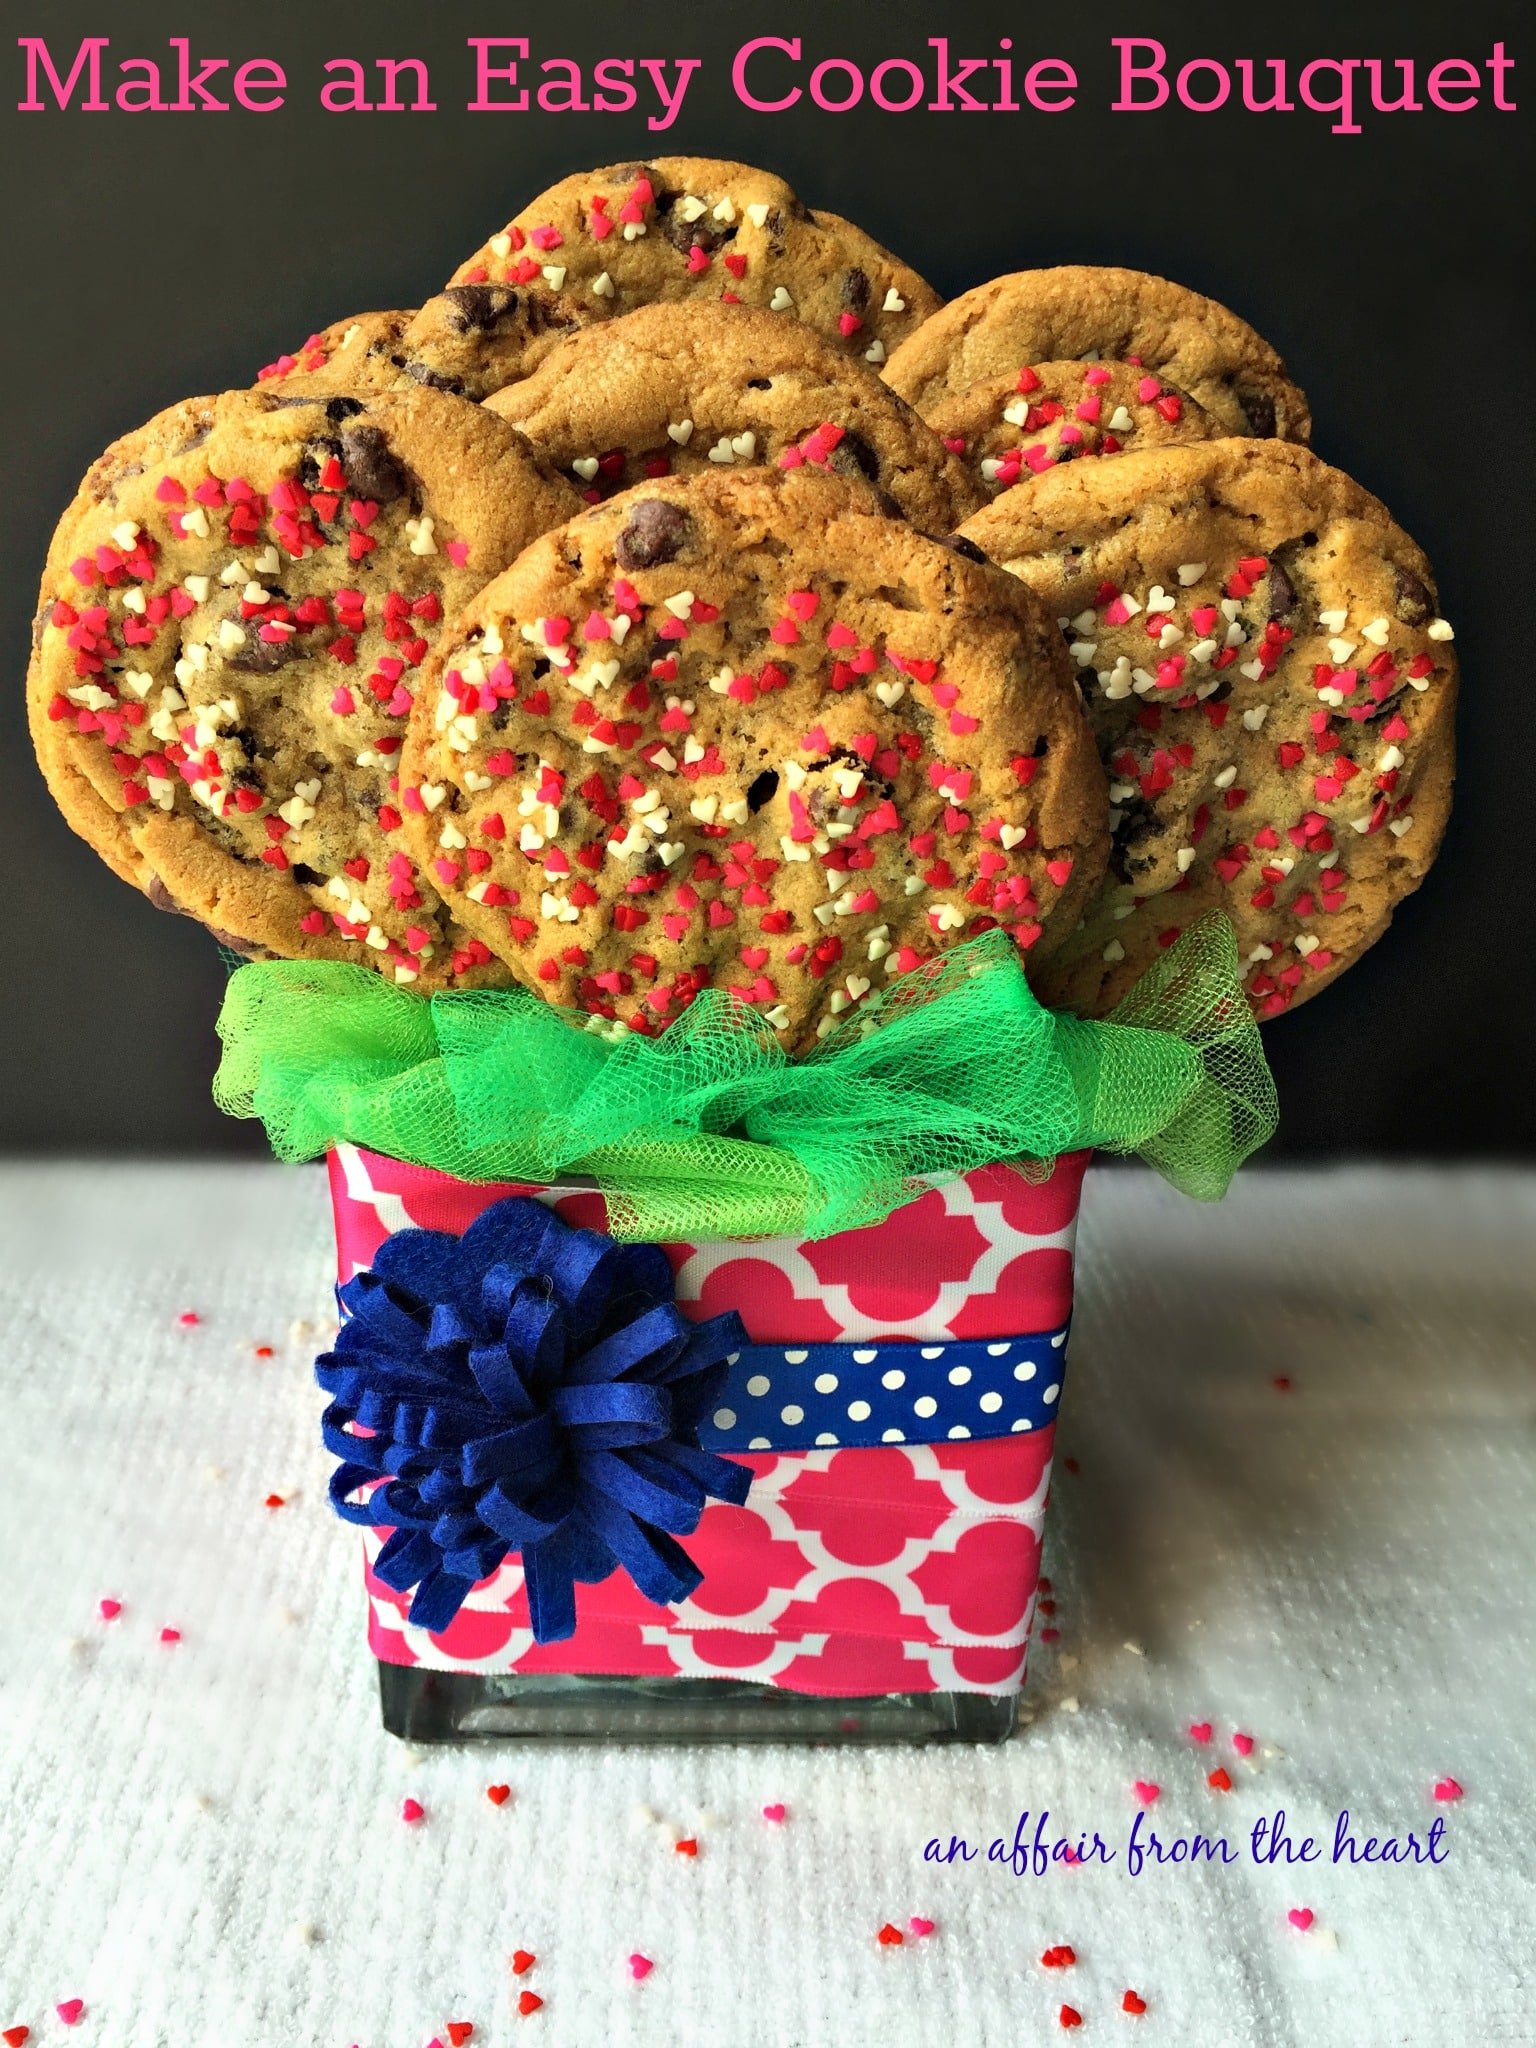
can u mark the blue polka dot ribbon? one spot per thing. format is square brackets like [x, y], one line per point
[819, 1396]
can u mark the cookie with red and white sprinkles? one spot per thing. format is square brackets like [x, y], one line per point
[469, 341]
[683, 227]
[670, 390]
[227, 650]
[344, 353]
[744, 731]
[1079, 310]
[1008, 429]
[1262, 654]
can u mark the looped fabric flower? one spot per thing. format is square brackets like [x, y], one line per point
[525, 1387]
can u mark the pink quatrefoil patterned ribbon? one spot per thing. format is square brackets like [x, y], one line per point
[891, 1566]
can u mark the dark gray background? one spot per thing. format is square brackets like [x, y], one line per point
[152, 257]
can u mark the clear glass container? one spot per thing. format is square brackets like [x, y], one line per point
[455, 1706]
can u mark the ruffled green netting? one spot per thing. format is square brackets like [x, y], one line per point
[711, 1131]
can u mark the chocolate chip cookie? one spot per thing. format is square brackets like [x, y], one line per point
[1262, 654]
[1034, 316]
[469, 340]
[1007, 429]
[344, 353]
[682, 227]
[669, 390]
[226, 653]
[744, 731]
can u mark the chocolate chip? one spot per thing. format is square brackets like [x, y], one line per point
[477, 306]
[274, 402]
[853, 291]
[1282, 592]
[704, 233]
[962, 544]
[309, 877]
[433, 379]
[759, 383]
[854, 456]
[1259, 410]
[343, 408]
[1415, 606]
[654, 533]
[372, 471]
[260, 657]
[761, 789]
[161, 897]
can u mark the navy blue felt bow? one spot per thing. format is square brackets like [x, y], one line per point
[525, 1387]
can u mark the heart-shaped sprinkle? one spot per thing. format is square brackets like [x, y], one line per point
[458, 552]
[1145, 1792]
[170, 1635]
[1447, 1788]
[640, 1966]
[459, 2031]
[1301, 1917]
[1219, 1781]
[919, 1926]
[70, 2011]
[110, 1609]
[1061, 1957]
[775, 1813]
[527, 2002]
[411, 1811]
[1133, 2005]
[890, 1937]
[687, 1846]
[1069, 2016]
[522, 1962]
[14, 2037]
[1199, 1731]
[1243, 1744]
[498, 1795]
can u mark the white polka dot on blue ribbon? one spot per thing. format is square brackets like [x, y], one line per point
[831, 1396]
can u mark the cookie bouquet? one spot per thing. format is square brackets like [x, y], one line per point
[728, 779]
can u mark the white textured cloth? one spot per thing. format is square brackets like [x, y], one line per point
[202, 1840]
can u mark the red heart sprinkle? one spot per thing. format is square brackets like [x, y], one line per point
[110, 1609]
[1243, 1744]
[640, 1966]
[1301, 1917]
[1132, 2004]
[527, 2002]
[1069, 2016]
[1447, 1788]
[1062, 1957]
[498, 1795]
[170, 1635]
[1146, 1793]
[1219, 1781]
[890, 1937]
[687, 1846]
[1199, 1731]
[920, 1926]
[774, 1813]
[411, 1811]
[69, 2012]
[459, 2032]
[14, 2037]
[522, 1962]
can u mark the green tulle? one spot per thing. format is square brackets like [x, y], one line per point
[710, 1131]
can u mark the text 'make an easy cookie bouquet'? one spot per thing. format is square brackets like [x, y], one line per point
[685, 710]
